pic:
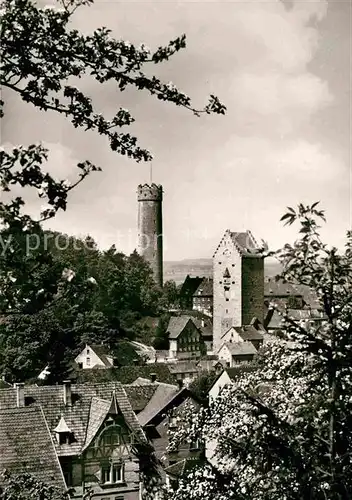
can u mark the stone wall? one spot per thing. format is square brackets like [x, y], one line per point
[150, 228]
[252, 289]
[227, 305]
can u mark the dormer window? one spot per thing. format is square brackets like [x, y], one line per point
[64, 435]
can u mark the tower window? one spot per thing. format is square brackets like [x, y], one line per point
[226, 274]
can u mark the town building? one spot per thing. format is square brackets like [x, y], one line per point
[253, 333]
[150, 227]
[234, 353]
[94, 356]
[79, 436]
[92, 435]
[203, 297]
[188, 289]
[185, 339]
[238, 286]
[185, 371]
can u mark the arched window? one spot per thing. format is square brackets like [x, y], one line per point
[110, 436]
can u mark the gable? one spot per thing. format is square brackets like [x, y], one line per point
[113, 439]
[221, 381]
[158, 415]
[226, 246]
[180, 324]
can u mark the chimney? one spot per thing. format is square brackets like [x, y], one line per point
[19, 394]
[153, 377]
[202, 323]
[67, 392]
[180, 383]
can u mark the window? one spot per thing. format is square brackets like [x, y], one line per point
[111, 436]
[88, 361]
[87, 352]
[64, 438]
[112, 473]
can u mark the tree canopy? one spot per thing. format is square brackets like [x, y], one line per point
[52, 296]
[284, 430]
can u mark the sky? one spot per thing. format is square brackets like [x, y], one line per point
[283, 70]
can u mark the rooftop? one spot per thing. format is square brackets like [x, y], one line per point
[78, 415]
[26, 445]
[240, 348]
[205, 288]
[177, 324]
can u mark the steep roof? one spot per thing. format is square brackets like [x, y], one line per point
[182, 467]
[77, 416]
[205, 326]
[205, 288]
[97, 414]
[190, 285]
[248, 332]
[102, 351]
[163, 395]
[139, 395]
[177, 324]
[141, 381]
[240, 348]
[244, 243]
[27, 446]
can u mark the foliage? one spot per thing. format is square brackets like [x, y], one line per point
[43, 59]
[128, 374]
[202, 384]
[170, 295]
[161, 339]
[284, 430]
[27, 487]
[108, 293]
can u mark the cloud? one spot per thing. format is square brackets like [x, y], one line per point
[237, 171]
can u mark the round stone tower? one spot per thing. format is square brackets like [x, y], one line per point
[150, 227]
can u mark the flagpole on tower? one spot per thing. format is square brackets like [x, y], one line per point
[151, 172]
